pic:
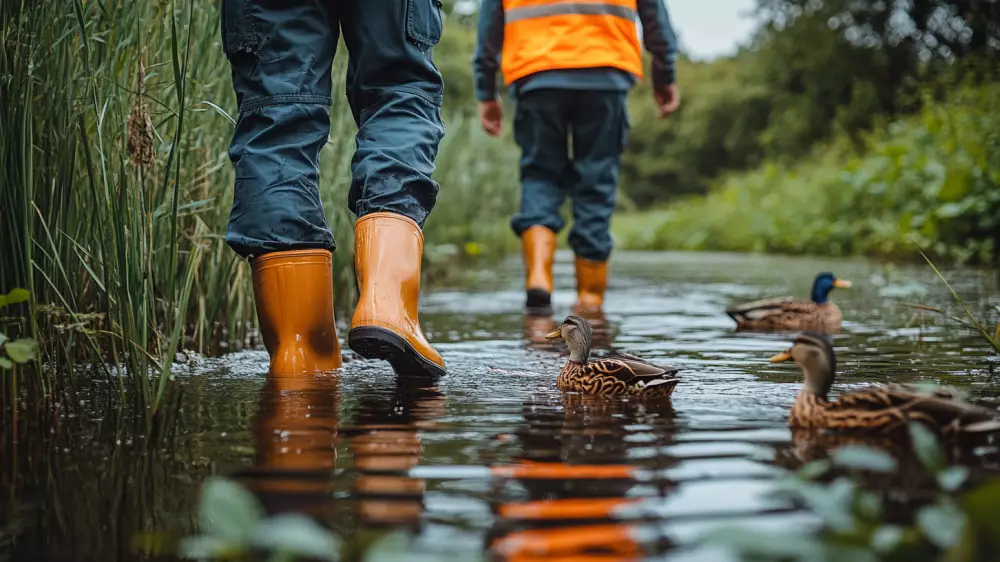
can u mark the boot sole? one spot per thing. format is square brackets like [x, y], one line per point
[379, 343]
[539, 302]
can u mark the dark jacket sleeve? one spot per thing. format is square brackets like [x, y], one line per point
[658, 35]
[489, 44]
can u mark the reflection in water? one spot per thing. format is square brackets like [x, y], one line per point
[385, 444]
[295, 433]
[578, 480]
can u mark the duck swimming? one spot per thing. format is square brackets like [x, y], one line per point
[786, 313]
[880, 409]
[617, 374]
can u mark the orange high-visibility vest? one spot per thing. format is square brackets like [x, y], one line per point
[544, 35]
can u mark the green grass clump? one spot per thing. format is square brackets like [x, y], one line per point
[933, 179]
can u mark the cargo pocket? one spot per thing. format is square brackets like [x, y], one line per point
[626, 126]
[239, 33]
[424, 22]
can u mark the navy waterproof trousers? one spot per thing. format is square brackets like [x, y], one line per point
[571, 144]
[281, 53]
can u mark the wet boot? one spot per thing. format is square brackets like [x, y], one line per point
[539, 247]
[293, 293]
[591, 282]
[387, 252]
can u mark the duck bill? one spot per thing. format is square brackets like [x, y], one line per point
[842, 284]
[554, 335]
[782, 357]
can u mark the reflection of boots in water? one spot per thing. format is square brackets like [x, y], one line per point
[539, 248]
[296, 430]
[575, 468]
[535, 329]
[386, 446]
[293, 293]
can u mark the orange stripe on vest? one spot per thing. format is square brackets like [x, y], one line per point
[542, 35]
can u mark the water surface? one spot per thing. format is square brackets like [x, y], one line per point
[492, 458]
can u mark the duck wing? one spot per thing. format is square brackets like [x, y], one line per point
[894, 405]
[757, 311]
[632, 370]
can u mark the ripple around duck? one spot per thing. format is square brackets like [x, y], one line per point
[492, 457]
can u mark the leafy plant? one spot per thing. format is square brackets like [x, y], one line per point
[953, 526]
[15, 351]
[234, 526]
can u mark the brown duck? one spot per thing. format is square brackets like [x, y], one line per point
[786, 313]
[618, 374]
[879, 409]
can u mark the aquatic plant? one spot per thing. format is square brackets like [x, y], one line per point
[980, 327]
[854, 525]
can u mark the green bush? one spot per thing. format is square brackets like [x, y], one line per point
[932, 179]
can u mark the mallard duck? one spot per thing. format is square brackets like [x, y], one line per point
[786, 313]
[614, 375]
[883, 408]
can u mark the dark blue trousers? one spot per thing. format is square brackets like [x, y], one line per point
[281, 54]
[571, 144]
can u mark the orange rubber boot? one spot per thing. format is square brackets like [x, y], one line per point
[539, 248]
[387, 252]
[591, 282]
[293, 292]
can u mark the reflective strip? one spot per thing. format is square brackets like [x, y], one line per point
[581, 8]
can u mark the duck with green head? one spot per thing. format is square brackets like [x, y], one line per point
[882, 408]
[819, 314]
[613, 375]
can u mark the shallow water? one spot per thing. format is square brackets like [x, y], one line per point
[492, 458]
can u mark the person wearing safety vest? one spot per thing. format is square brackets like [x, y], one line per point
[569, 66]
[281, 55]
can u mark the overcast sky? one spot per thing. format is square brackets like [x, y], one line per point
[711, 28]
[706, 28]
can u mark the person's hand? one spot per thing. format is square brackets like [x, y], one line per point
[668, 99]
[491, 116]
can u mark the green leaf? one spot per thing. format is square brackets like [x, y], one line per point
[296, 534]
[925, 445]
[22, 350]
[887, 538]
[862, 457]
[206, 547]
[952, 478]
[14, 297]
[3, 338]
[229, 510]
[814, 469]
[6, 363]
[753, 544]
[942, 524]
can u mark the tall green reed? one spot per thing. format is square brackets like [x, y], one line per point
[115, 119]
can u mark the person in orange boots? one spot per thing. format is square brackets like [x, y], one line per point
[569, 66]
[281, 55]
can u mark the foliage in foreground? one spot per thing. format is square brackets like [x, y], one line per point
[933, 179]
[954, 526]
[234, 528]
